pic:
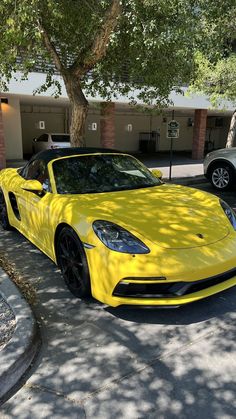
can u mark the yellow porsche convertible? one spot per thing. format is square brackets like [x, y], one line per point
[117, 231]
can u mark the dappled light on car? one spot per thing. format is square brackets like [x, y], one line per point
[106, 220]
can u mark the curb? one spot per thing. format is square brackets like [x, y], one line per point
[187, 181]
[18, 354]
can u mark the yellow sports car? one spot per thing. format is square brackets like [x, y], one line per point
[117, 231]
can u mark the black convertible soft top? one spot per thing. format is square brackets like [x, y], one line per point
[48, 155]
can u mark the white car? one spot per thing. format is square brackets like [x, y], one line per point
[49, 141]
[220, 168]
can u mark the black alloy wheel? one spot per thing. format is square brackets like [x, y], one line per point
[222, 177]
[72, 261]
[4, 221]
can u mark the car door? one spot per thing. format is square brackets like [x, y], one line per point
[13, 197]
[35, 205]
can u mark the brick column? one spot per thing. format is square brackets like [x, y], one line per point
[107, 125]
[2, 143]
[199, 133]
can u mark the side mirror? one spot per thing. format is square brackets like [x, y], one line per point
[157, 173]
[32, 186]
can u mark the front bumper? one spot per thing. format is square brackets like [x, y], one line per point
[175, 293]
[165, 277]
[166, 302]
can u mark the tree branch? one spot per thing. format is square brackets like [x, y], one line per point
[51, 48]
[99, 47]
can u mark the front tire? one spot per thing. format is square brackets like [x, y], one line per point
[4, 220]
[222, 177]
[72, 261]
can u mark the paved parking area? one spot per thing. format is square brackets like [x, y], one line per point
[99, 362]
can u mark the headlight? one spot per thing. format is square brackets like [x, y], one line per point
[229, 212]
[118, 239]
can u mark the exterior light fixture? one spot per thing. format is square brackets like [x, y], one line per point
[40, 125]
[190, 122]
[92, 126]
[129, 127]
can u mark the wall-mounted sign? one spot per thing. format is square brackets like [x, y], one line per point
[172, 129]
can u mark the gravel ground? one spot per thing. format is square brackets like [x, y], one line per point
[7, 323]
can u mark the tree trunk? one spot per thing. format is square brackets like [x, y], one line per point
[79, 109]
[232, 131]
[77, 126]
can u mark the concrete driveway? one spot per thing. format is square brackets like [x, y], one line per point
[99, 362]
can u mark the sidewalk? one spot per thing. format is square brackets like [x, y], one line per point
[182, 165]
[21, 347]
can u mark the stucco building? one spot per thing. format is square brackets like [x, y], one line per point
[116, 125]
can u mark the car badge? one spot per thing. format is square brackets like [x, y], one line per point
[200, 235]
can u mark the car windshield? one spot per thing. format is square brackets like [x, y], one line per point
[60, 138]
[101, 173]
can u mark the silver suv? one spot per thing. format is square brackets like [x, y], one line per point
[220, 168]
[50, 140]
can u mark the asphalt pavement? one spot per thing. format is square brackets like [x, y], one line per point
[100, 362]
[227, 196]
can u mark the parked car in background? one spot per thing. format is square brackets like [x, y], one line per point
[220, 168]
[50, 141]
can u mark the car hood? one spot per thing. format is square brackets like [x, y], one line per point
[223, 152]
[171, 216]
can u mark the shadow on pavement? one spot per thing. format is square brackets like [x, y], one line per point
[111, 363]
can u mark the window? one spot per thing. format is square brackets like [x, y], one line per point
[37, 170]
[105, 173]
[60, 138]
[42, 138]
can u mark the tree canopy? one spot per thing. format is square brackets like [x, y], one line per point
[216, 79]
[214, 71]
[111, 47]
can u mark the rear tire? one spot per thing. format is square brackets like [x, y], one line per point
[222, 177]
[4, 220]
[72, 261]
